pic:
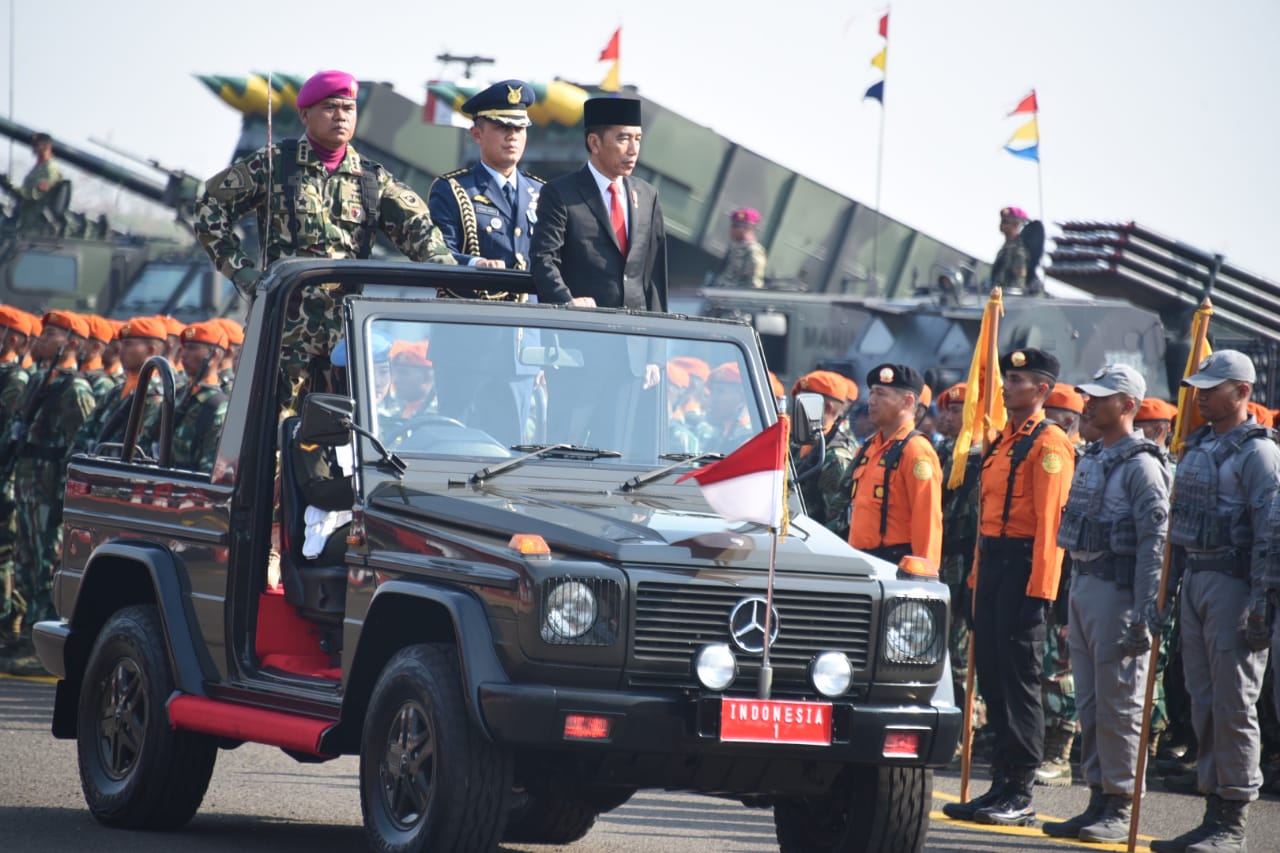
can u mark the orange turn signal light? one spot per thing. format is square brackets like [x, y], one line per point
[529, 544]
[921, 567]
[586, 727]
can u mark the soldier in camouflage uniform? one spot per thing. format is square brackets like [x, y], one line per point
[827, 488]
[1065, 407]
[744, 262]
[1010, 267]
[198, 418]
[55, 405]
[91, 367]
[36, 186]
[140, 338]
[326, 202]
[959, 538]
[15, 328]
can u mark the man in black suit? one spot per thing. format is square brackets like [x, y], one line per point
[600, 238]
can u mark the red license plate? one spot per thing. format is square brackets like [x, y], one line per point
[775, 721]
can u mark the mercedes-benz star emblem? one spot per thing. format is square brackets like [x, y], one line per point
[746, 624]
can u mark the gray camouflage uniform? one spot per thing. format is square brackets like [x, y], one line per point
[1114, 525]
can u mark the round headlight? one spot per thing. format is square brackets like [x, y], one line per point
[911, 634]
[571, 611]
[715, 666]
[831, 673]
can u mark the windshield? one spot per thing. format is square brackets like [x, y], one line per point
[495, 391]
[154, 288]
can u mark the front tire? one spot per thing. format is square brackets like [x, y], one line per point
[429, 778]
[135, 770]
[867, 809]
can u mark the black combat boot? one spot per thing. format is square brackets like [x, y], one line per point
[1070, 828]
[1208, 826]
[966, 810]
[1014, 807]
[1112, 826]
[1229, 837]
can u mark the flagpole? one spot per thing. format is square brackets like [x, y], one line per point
[764, 688]
[875, 235]
[986, 417]
[1182, 427]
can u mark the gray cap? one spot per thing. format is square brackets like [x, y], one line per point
[1115, 379]
[1221, 366]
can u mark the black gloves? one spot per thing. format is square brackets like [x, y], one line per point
[1136, 641]
[1033, 610]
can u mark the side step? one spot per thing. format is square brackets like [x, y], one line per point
[242, 722]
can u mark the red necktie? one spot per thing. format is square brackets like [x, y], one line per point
[617, 218]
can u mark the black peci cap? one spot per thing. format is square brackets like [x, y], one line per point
[604, 112]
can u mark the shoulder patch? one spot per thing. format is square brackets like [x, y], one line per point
[1052, 463]
[922, 470]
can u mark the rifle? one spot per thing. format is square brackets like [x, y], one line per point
[20, 432]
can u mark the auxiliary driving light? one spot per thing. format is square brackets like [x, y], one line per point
[831, 673]
[715, 665]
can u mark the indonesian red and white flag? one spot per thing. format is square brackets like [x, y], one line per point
[750, 483]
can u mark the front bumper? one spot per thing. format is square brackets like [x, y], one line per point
[534, 717]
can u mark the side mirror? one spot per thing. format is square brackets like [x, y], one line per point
[326, 419]
[806, 420]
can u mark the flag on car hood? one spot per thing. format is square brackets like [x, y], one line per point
[750, 483]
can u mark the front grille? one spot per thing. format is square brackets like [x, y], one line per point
[673, 620]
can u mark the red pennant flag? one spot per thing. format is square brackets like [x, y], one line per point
[884, 25]
[614, 48]
[1026, 105]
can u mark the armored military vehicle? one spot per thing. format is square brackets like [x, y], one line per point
[76, 261]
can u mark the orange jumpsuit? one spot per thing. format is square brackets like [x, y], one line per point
[915, 497]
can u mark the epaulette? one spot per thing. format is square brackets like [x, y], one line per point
[456, 173]
[534, 177]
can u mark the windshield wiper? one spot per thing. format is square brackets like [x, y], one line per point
[538, 451]
[682, 459]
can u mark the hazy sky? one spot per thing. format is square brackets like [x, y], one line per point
[1160, 111]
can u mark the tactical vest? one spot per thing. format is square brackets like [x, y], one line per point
[1194, 521]
[1083, 527]
[369, 196]
[1017, 455]
[890, 460]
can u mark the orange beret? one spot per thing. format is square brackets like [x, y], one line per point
[413, 354]
[12, 318]
[677, 375]
[727, 372]
[1261, 414]
[100, 328]
[143, 327]
[695, 366]
[954, 394]
[775, 384]
[1063, 396]
[69, 320]
[37, 325]
[1155, 409]
[926, 396]
[172, 326]
[825, 382]
[235, 332]
[207, 332]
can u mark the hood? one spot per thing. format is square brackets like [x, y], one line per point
[641, 528]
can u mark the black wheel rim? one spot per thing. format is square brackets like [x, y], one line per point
[122, 721]
[407, 769]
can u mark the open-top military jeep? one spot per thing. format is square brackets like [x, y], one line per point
[531, 619]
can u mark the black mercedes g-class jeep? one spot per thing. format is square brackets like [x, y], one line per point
[531, 620]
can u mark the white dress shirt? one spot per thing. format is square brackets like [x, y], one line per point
[603, 183]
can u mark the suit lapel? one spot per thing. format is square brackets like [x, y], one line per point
[638, 233]
[591, 192]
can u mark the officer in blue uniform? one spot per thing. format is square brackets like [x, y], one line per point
[488, 210]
